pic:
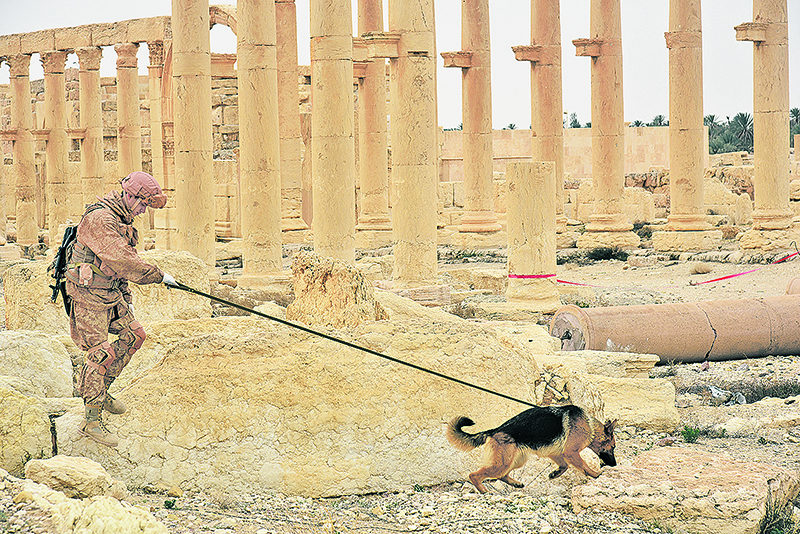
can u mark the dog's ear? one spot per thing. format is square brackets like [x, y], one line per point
[609, 427]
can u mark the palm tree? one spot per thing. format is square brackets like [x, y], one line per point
[511, 126]
[573, 120]
[637, 123]
[659, 120]
[794, 117]
[741, 126]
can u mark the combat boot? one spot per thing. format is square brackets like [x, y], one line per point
[94, 428]
[112, 405]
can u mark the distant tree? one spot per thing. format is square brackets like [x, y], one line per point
[457, 128]
[511, 126]
[573, 120]
[637, 124]
[723, 142]
[588, 124]
[659, 120]
[794, 117]
[741, 126]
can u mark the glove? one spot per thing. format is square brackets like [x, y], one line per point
[169, 280]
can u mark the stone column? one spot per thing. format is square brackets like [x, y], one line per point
[129, 122]
[547, 127]
[414, 143]
[92, 160]
[687, 228]
[531, 226]
[772, 217]
[794, 185]
[332, 143]
[479, 224]
[608, 224]
[292, 221]
[57, 158]
[24, 164]
[155, 70]
[259, 147]
[374, 227]
[194, 178]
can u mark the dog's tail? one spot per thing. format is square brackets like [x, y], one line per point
[460, 439]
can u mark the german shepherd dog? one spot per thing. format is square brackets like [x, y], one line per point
[556, 432]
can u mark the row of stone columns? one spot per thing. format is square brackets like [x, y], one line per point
[66, 201]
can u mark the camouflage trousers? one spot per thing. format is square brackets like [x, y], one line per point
[103, 361]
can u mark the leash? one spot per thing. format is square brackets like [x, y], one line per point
[308, 330]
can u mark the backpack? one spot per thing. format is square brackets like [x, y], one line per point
[60, 265]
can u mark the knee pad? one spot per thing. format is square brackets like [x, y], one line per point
[100, 357]
[133, 336]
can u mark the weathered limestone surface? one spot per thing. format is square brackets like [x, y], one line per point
[257, 406]
[38, 363]
[95, 515]
[28, 305]
[613, 364]
[331, 292]
[692, 490]
[25, 429]
[75, 476]
[641, 402]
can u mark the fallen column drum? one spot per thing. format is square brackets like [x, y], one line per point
[686, 331]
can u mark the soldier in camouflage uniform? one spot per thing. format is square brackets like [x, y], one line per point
[102, 262]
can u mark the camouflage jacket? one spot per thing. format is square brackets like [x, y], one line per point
[103, 259]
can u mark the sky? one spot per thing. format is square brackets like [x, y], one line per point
[727, 63]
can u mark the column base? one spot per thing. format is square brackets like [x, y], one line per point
[686, 241]
[377, 221]
[620, 240]
[535, 294]
[775, 219]
[687, 222]
[479, 222]
[770, 240]
[608, 222]
[479, 240]
[371, 238]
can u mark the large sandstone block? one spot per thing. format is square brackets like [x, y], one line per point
[258, 406]
[25, 431]
[28, 305]
[75, 477]
[40, 364]
[691, 490]
[641, 402]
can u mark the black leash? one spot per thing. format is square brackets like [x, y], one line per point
[188, 289]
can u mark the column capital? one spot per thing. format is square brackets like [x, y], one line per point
[156, 51]
[126, 55]
[53, 61]
[19, 66]
[461, 59]
[89, 57]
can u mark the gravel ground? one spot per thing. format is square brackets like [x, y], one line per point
[542, 506]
